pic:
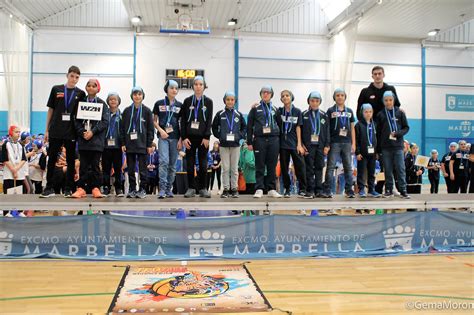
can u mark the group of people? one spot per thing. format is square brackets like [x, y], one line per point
[93, 154]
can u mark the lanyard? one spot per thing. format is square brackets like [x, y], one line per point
[315, 122]
[196, 108]
[267, 113]
[391, 120]
[94, 100]
[231, 123]
[66, 100]
[112, 124]
[343, 121]
[137, 119]
[288, 124]
[169, 113]
[370, 133]
[15, 151]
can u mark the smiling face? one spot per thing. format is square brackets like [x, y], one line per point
[230, 102]
[286, 97]
[137, 97]
[113, 102]
[92, 88]
[462, 145]
[414, 150]
[453, 148]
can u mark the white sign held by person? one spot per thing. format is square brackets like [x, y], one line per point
[422, 160]
[89, 111]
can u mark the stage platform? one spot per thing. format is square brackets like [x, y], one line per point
[418, 202]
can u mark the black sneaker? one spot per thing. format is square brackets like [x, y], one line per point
[388, 194]
[132, 194]
[106, 191]
[67, 193]
[286, 194]
[404, 195]
[119, 192]
[350, 194]
[225, 193]
[234, 193]
[141, 194]
[47, 192]
[308, 195]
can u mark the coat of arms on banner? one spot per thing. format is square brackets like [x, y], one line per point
[200, 288]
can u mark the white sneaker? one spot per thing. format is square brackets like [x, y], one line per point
[303, 212]
[273, 193]
[21, 215]
[9, 215]
[258, 193]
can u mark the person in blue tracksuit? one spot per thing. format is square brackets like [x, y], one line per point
[263, 137]
[166, 117]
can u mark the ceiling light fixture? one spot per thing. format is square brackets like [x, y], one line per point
[433, 32]
[232, 22]
[136, 19]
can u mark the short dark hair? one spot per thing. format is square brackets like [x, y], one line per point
[378, 68]
[74, 69]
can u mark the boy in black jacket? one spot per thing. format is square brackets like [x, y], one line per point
[91, 136]
[392, 125]
[196, 122]
[136, 133]
[366, 144]
[60, 129]
[263, 136]
[229, 127]
[316, 138]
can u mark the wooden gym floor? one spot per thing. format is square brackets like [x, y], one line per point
[382, 285]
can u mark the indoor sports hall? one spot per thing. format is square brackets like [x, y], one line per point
[236, 157]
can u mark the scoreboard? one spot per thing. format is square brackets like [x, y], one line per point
[184, 77]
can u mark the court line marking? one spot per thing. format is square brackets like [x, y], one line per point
[265, 292]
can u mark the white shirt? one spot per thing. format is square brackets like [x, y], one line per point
[15, 154]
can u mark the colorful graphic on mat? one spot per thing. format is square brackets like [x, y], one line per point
[210, 288]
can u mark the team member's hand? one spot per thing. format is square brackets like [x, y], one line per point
[88, 135]
[326, 150]
[353, 148]
[359, 157]
[205, 143]
[187, 144]
[149, 150]
[419, 172]
[250, 147]
[300, 149]
[46, 136]
[445, 174]
[124, 149]
[179, 146]
[305, 150]
[76, 177]
[451, 176]
[163, 134]
[15, 173]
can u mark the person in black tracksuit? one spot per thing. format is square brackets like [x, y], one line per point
[459, 168]
[263, 134]
[60, 130]
[136, 136]
[434, 166]
[91, 138]
[414, 172]
[315, 136]
[112, 155]
[453, 146]
[366, 145]
[373, 94]
[290, 143]
[196, 122]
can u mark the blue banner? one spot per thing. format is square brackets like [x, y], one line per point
[459, 103]
[110, 237]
